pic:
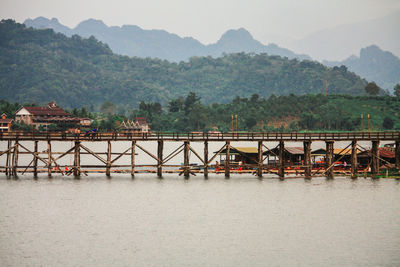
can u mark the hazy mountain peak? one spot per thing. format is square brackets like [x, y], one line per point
[91, 23]
[375, 65]
[132, 40]
[239, 34]
[45, 23]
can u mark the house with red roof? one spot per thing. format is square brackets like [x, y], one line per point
[44, 116]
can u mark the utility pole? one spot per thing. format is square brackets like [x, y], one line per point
[362, 128]
[232, 123]
[236, 123]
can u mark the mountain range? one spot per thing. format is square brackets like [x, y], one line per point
[41, 66]
[131, 40]
[373, 64]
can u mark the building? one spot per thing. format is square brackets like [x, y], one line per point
[387, 157]
[44, 116]
[5, 124]
[85, 121]
[246, 155]
[292, 155]
[138, 125]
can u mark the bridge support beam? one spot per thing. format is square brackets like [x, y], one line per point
[227, 160]
[281, 170]
[205, 159]
[160, 157]
[15, 159]
[186, 167]
[329, 159]
[133, 148]
[108, 165]
[375, 158]
[8, 169]
[77, 159]
[35, 159]
[307, 159]
[260, 159]
[397, 155]
[48, 158]
[353, 162]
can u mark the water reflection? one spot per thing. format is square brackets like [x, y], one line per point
[196, 222]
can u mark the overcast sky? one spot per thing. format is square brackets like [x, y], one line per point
[206, 20]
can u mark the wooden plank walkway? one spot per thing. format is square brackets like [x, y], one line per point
[248, 136]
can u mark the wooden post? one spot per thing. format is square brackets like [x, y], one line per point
[108, 165]
[77, 159]
[353, 162]
[307, 159]
[15, 159]
[281, 170]
[48, 158]
[186, 159]
[160, 157]
[35, 159]
[260, 160]
[227, 160]
[375, 157]
[133, 158]
[205, 158]
[397, 155]
[8, 169]
[329, 159]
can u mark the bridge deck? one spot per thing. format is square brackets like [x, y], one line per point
[250, 136]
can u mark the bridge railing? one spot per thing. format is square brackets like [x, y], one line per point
[242, 136]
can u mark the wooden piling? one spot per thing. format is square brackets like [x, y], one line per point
[281, 170]
[205, 158]
[35, 159]
[260, 159]
[15, 159]
[353, 162]
[329, 159]
[133, 158]
[227, 160]
[307, 159]
[160, 157]
[108, 165]
[186, 159]
[375, 157]
[8, 169]
[397, 155]
[49, 158]
[77, 159]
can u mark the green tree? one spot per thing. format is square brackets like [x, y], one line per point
[372, 88]
[108, 108]
[388, 123]
[397, 90]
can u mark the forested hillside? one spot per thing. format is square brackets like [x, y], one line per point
[40, 66]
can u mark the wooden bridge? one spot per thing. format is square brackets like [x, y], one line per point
[47, 161]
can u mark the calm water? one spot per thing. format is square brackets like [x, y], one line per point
[242, 221]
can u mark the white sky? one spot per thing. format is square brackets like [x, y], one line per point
[205, 20]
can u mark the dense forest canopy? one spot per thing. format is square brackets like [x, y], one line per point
[40, 66]
[277, 113]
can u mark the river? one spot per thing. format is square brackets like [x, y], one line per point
[242, 221]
